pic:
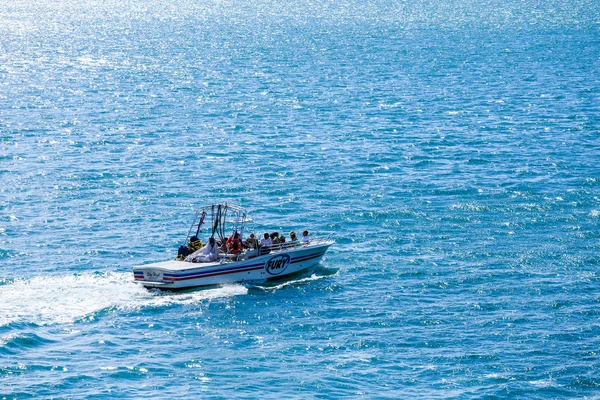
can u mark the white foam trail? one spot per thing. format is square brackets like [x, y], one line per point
[313, 277]
[46, 300]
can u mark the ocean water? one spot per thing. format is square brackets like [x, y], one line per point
[453, 148]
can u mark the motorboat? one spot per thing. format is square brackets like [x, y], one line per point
[217, 262]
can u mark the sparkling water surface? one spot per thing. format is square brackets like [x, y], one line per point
[452, 147]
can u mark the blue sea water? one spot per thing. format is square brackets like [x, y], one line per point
[452, 147]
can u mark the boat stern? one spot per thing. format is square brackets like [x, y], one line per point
[157, 275]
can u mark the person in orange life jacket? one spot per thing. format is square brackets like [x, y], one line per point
[234, 244]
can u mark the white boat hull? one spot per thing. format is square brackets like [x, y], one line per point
[176, 275]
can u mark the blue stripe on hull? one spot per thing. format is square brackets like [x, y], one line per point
[212, 271]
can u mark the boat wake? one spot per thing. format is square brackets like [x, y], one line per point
[292, 282]
[64, 299]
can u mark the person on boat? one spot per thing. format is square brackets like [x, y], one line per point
[208, 253]
[222, 245]
[275, 237]
[266, 240]
[232, 237]
[305, 238]
[250, 242]
[293, 240]
[266, 243]
[282, 243]
[234, 244]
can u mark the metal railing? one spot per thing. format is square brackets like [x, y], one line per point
[273, 248]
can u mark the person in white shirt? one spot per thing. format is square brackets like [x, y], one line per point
[266, 241]
[305, 238]
[265, 244]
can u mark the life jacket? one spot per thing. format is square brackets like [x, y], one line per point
[234, 245]
[194, 245]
